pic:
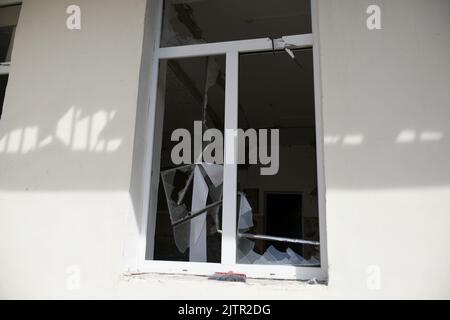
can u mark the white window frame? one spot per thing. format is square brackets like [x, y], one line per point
[231, 49]
[5, 66]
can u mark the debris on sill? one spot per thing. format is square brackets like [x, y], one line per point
[228, 277]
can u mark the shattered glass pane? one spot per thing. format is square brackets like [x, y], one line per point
[278, 214]
[181, 181]
[246, 252]
[175, 183]
[206, 21]
[193, 101]
[245, 214]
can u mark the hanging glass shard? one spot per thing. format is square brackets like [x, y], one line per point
[188, 205]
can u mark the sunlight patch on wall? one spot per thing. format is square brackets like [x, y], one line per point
[74, 130]
[411, 136]
[352, 140]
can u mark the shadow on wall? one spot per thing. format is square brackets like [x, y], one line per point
[72, 151]
[386, 98]
[390, 158]
[74, 131]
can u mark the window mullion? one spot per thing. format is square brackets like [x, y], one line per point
[230, 163]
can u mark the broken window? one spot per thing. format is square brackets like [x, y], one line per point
[277, 92]
[193, 103]
[205, 21]
[9, 15]
[234, 164]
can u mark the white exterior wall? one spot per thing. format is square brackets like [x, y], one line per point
[67, 202]
[388, 198]
[67, 137]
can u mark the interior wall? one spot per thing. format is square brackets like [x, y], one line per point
[293, 161]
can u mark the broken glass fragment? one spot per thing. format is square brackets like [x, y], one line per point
[201, 181]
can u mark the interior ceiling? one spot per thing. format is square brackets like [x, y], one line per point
[8, 20]
[5, 39]
[225, 20]
[9, 2]
[9, 15]
[274, 90]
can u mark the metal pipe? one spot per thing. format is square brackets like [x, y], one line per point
[192, 215]
[278, 239]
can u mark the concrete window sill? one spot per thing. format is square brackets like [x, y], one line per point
[198, 287]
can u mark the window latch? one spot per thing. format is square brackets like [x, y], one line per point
[284, 44]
